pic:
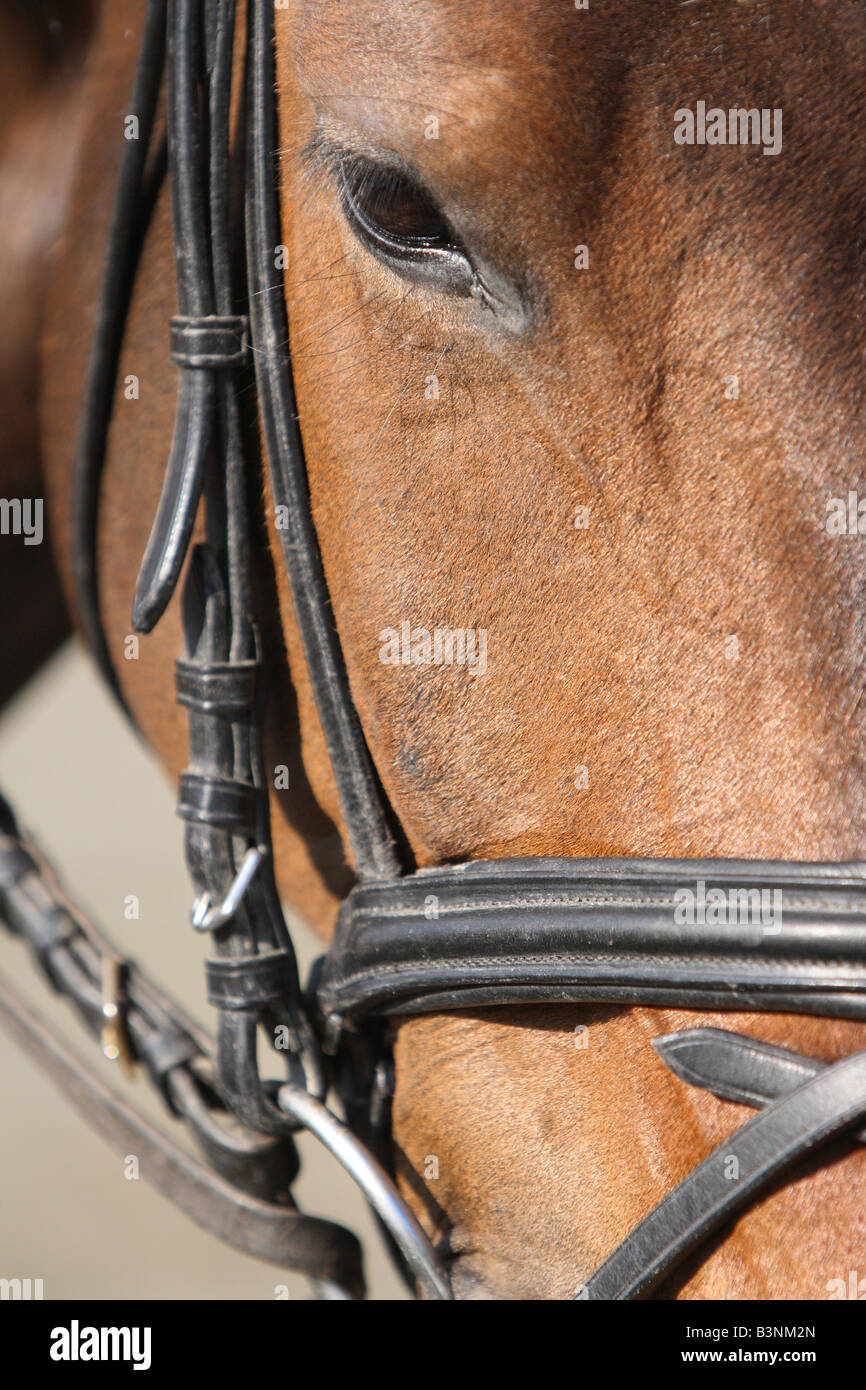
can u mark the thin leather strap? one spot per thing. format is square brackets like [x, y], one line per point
[130, 216]
[361, 798]
[731, 1177]
[194, 421]
[736, 1067]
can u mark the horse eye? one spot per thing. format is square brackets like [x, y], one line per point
[399, 223]
[391, 206]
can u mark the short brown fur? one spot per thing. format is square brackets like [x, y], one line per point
[610, 646]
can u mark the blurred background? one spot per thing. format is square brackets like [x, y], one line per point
[97, 803]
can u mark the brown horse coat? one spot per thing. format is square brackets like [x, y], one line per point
[618, 465]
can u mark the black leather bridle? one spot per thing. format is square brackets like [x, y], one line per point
[408, 941]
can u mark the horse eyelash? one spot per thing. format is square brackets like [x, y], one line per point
[320, 154]
[323, 157]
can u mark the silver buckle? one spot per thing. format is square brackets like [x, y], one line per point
[205, 917]
[113, 1038]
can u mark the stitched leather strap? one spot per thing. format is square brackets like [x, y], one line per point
[633, 931]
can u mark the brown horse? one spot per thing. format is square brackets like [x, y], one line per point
[606, 430]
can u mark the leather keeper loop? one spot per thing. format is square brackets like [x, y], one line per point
[15, 863]
[248, 983]
[162, 1052]
[219, 688]
[47, 932]
[216, 801]
[212, 341]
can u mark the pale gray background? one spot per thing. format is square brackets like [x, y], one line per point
[97, 802]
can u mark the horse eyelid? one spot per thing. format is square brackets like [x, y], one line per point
[442, 263]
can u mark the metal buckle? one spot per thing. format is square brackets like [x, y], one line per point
[204, 917]
[115, 1046]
